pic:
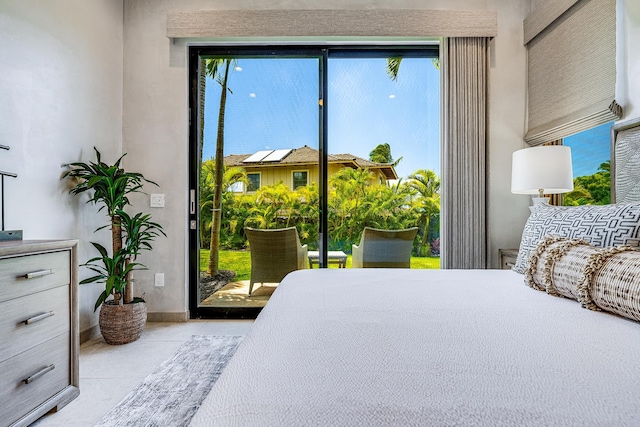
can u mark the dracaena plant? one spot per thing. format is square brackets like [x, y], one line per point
[109, 187]
[114, 271]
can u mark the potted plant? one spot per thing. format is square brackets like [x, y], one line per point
[122, 317]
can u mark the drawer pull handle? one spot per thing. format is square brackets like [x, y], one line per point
[509, 264]
[40, 373]
[39, 317]
[38, 273]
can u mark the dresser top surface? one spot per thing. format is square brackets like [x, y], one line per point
[12, 247]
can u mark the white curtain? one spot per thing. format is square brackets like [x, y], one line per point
[464, 130]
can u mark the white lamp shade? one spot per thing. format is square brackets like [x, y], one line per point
[548, 168]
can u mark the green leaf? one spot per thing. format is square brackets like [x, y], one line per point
[102, 298]
[91, 279]
[100, 249]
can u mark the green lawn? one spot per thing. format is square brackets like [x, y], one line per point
[240, 262]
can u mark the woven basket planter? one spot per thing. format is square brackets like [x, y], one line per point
[122, 324]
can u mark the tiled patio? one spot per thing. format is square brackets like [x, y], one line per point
[235, 294]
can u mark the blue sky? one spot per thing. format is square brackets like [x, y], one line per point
[274, 105]
[589, 149]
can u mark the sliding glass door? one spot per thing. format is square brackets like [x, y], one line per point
[325, 140]
[384, 117]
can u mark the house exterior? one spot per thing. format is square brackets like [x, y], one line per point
[299, 167]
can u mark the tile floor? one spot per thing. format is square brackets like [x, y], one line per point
[108, 373]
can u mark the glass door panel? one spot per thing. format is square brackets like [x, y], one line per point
[269, 127]
[384, 151]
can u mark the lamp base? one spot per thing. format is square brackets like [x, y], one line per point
[540, 200]
[537, 201]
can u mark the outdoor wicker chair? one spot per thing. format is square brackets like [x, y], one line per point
[274, 254]
[384, 248]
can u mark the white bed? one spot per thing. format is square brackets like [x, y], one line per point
[375, 347]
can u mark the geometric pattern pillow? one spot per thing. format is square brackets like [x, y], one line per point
[601, 226]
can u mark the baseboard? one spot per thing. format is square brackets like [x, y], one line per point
[87, 334]
[168, 317]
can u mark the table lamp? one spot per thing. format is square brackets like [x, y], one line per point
[542, 170]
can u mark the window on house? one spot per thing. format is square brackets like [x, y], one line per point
[253, 182]
[590, 156]
[300, 179]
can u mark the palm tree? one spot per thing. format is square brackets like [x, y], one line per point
[273, 203]
[426, 184]
[393, 66]
[231, 176]
[348, 203]
[304, 213]
[382, 154]
[218, 69]
[202, 83]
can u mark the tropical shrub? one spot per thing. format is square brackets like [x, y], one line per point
[353, 203]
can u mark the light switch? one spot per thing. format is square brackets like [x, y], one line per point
[159, 279]
[157, 201]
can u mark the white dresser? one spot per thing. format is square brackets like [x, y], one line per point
[39, 335]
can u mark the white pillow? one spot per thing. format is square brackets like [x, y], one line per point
[601, 226]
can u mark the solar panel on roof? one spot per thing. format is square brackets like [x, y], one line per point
[258, 156]
[277, 155]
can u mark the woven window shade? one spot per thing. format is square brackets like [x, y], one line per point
[571, 68]
[404, 23]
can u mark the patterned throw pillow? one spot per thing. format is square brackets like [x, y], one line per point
[601, 226]
[598, 278]
[615, 286]
[557, 266]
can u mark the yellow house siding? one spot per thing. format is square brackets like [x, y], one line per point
[271, 174]
[274, 174]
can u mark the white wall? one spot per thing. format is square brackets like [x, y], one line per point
[60, 95]
[155, 125]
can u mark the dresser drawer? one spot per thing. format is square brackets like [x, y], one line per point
[46, 364]
[33, 319]
[28, 274]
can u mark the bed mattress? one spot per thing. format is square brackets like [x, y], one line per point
[378, 347]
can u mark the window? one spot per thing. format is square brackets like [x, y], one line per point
[590, 155]
[300, 179]
[254, 182]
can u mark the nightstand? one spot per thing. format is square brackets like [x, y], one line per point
[508, 258]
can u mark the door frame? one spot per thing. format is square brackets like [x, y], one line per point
[323, 52]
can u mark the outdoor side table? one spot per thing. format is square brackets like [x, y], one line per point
[333, 257]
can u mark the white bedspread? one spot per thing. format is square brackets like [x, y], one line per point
[374, 347]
